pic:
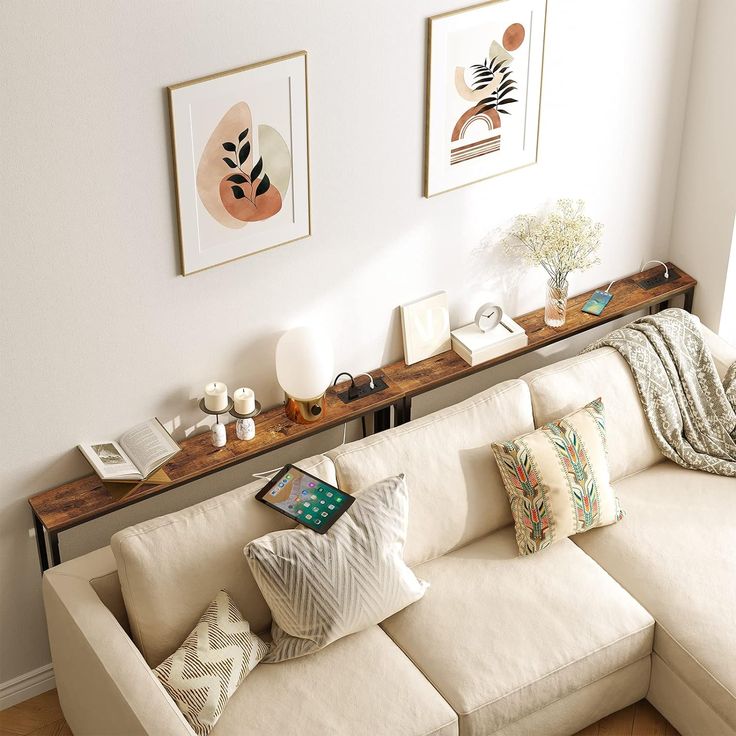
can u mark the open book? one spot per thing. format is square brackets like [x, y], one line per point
[138, 453]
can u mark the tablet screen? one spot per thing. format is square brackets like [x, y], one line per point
[305, 498]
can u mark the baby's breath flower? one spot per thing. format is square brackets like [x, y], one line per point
[559, 241]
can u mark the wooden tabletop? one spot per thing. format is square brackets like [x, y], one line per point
[84, 499]
[87, 498]
[628, 297]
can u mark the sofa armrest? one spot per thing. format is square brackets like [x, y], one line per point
[724, 354]
[105, 686]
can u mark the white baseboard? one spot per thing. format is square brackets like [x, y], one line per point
[27, 686]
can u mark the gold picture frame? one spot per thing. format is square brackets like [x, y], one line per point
[240, 146]
[481, 33]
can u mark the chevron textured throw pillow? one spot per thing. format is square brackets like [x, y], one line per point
[321, 587]
[214, 659]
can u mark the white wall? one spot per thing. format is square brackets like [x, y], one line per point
[98, 329]
[703, 221]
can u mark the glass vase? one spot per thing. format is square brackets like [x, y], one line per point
[555, 308]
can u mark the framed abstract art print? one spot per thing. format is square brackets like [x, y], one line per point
[484, 91]
[241, 158]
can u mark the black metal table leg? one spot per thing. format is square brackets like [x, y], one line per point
[402, 411]
[689, 294]
[54, 543]
[43, 556]
[382, 419]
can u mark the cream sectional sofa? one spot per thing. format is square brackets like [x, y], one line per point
[500, 644]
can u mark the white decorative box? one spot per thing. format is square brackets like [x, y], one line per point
[476, 347]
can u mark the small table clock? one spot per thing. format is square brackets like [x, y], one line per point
[488, 317]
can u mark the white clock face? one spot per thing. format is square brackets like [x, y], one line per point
[488, 317]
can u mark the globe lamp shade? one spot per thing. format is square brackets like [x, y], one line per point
[305, 364]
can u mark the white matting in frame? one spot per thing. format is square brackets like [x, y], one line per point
[241, 157]
[483, 92]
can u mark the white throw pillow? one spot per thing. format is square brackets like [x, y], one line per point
[202, 674]
[321, 587]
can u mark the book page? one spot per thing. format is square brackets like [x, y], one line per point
[110, 461]
[149, 446]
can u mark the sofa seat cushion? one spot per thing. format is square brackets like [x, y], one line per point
[674, 552]
[561, 388]
[501, 636]
[172, 567]
[362, 685]
[455, 490]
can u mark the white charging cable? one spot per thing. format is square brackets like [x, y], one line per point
[371, 384]
[666, 270]
[268, 474]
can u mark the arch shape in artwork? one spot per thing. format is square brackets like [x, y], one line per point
[489, 116]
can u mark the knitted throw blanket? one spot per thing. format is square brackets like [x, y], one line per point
[692, 413]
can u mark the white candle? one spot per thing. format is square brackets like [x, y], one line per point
[215, 396]
[245, 400]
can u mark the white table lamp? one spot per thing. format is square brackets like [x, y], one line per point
[305, 364]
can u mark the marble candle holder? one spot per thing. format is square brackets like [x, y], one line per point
[219, 432]
[245, 427]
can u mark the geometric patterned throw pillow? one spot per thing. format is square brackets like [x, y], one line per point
[557, 479]
[202, 674]
[321, 587]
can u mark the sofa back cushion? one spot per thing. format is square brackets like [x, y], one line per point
[455, 490]
[172, 567]
[561, 388]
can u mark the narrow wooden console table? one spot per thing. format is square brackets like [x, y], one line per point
[62, 508]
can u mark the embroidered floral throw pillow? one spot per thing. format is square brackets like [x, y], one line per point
[557, 479]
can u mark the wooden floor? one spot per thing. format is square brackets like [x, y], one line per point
[41, 716]
[639, 719]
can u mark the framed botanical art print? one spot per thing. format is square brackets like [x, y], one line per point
[241, 158]
[483, 92]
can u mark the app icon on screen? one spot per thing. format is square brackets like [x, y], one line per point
[331, 506]
[324, 513]
[317, 521]
[329, 494]
[309, 516]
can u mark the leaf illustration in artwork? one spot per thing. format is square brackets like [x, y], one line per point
[505, 112]
[230, 163]
[237, 179]
[256, 171]
[238, 193]
[507, 102]
[229, 146]
[244, 151]
[242, 135]
[263, 186]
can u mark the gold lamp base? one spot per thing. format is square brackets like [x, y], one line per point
[305, 411]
